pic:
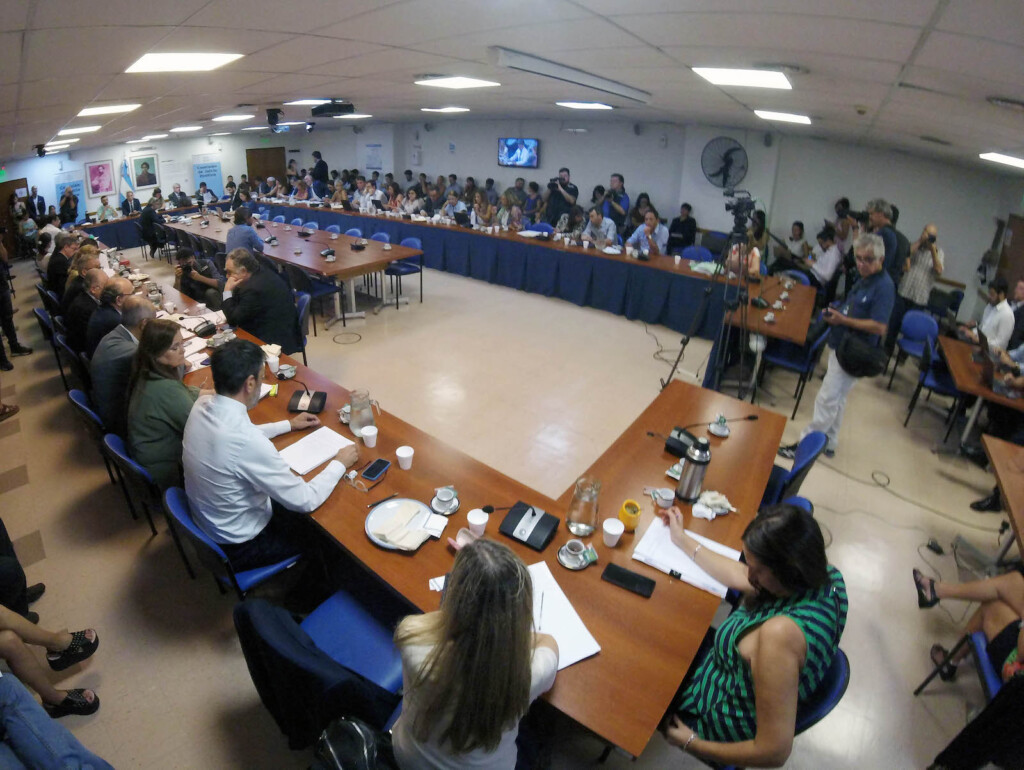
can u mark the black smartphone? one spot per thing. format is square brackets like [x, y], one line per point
[375, 470]
[631, 581]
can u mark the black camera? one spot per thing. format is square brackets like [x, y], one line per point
[859, 216]
[553, 183]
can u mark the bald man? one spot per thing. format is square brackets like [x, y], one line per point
[108, 314]
[920, 269]
[82, 309]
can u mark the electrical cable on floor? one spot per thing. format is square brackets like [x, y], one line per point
[662, 357]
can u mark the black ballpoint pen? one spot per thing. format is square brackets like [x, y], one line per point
[382, 500]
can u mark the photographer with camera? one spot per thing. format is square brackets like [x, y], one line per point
[562, 198]
[616, 202]
[921, 268]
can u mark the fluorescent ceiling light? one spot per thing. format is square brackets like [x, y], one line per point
[1008, 160]
[749, 78]
[65, 141]
[444, 109]
[56, 147]
[135, 141]
[292, 123]
[185, 129]
[353, 116]
[153, 136]
[307, 102]
[232, 118]
[255, 128]
[784, 117]
[506, 57]
[457, 82]
[109, 109]
[182, 62]
[79, 130]
[221, 133]
[584, 105]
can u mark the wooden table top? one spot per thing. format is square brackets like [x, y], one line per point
[349, 263]
[967, 373]
[792, 322]
[1008, 463]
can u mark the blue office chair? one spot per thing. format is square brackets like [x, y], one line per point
[279, 219]
[402, 267]
[797, 276]
[381, 237]
[333, 229]
[354, 232]
[340, 661]
[302, 302]
[989, 674]
[211, 555]
[800, 502]
[135, 482]
[795, 358]
[786, 483]
[74, 361]
[93, 424]
[312, 225]
[317, 288]
[935, 376]
[297, 222]
[45, 324]
[698, 253]
[958, 298]
[542, 227]
[916, 328]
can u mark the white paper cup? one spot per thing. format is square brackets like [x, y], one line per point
[477, 521]
[274, 363]
[169, 307]
[612, 529]
[370, 435]
[677, 259]
[404, 455]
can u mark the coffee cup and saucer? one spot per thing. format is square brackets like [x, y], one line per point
[573, 555]
[445, 502]
[769, 318]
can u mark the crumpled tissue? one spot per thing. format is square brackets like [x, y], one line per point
[711, 504]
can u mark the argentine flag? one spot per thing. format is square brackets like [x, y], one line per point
[126, 179]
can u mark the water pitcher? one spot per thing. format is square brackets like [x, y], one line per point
[581, 518]
[362, 411]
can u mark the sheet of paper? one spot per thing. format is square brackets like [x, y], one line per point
[437, 584]
[199, 360]
[313, 450]
[265, 390]
[554, 614]
[657, 550]
[435, 524]
[194, 345]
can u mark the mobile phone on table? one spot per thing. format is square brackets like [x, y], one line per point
[376, 469]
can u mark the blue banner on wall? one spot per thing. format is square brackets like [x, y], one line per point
[211, 174]
[78, 188]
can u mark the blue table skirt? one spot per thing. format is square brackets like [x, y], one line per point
[124, 233]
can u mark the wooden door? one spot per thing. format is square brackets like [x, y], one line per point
[266, 161]
[1011, 260]
[6, 221]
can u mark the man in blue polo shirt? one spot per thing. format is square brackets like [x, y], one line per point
[616, 202]
[243, 234]
[864, 312]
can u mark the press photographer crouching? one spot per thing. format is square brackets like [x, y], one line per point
[199, 278]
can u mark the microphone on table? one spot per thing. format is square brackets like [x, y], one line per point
[680, 439]
[307, 400]
[731, 419]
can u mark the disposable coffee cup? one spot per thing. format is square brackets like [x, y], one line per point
[274, 363]
[612, 529]
[369, 435]
[169, 307]
[677, 259]
[477, 521]
[404, 455]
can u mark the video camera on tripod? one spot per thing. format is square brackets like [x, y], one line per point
[741, 206]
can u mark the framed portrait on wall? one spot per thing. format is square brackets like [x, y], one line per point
[144, 171]
[100, 177]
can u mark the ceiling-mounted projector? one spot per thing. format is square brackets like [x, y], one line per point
[332, 109]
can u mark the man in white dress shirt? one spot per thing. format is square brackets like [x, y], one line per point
[242, 492]
[997, 320]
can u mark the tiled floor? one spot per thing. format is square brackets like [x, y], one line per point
[537, 388]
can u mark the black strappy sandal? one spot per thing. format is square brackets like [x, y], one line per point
[74, 703]
[940, 657]
[79, 649]
[925, 599]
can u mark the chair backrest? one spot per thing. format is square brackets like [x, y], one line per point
[83, 407]
[73, 359]
[45, 324]
[800, 502]
[279, 218]
[354, 232]
[958, 298]
[542, 227]
[797, 276]
[807, 451]
[302, 303]
[131, 470]
[209, 553]
[919, 325]
[54, 306]
[381, 237]
[814, 349]
[311, 225]
[714, 241]
[210, 249]
[46, 299]
[336, 229]
[827, 696]
[412, 243]
[698, 253]
[297, 222]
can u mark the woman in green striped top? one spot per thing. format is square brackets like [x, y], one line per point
[740, 705]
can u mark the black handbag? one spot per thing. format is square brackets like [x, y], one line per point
[351, 744]
[859, 359]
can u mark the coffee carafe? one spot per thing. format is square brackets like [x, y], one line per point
[695, 465]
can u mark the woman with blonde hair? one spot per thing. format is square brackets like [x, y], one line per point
[471, 670]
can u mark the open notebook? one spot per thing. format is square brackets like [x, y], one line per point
[313, 450]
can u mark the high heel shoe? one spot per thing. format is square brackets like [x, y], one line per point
[925, 598]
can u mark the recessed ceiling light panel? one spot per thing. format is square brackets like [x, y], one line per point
[307, 102]
[232, 118]
[255, 128]
[64, 141]
[457, 82]
[154, 136]
[1007, 160]
[79, 130]
[185, 129]
[109, 109]
[221, 133]
[783, 117]
[444, 109]
[745, 78]
[182, 62]
[585, 105]
[353, 116]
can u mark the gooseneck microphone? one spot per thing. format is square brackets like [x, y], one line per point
[731, 419]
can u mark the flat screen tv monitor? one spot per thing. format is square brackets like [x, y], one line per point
[518, 152]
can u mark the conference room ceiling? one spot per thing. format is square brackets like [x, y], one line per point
[876, 72]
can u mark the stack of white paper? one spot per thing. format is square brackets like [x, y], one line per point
[657, 550]
[313, 450]
[554, 614]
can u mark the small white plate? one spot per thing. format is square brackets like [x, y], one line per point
[385, 511]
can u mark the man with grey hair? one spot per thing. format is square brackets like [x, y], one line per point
[82, 309]
[111, 365]
[864, 313]
[108, 315]
[260, 302]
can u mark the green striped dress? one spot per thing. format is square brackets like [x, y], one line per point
[719, 701]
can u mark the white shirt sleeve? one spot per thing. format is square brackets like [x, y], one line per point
[264, 468]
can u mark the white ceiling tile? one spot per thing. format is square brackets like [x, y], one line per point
[993, 19]
[10, 57]
[15, 14]
[277, 16]
[87, 15]
[914, 12]
[51, 53]
[996, 62]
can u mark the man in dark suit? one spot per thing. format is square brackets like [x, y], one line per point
[108, 315]
[36, 204]
[130, 206]
[319, 171]
[82, 309]
[1017, 303]
[111, 365]
[260, 302]
[60, 263]
[150, 217]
